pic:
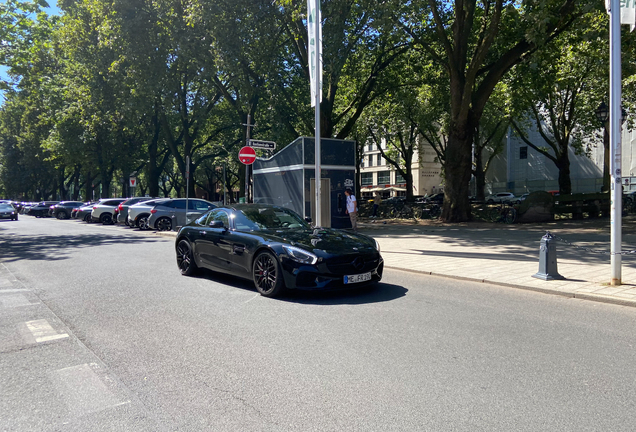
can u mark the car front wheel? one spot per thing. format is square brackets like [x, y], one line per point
[267, 276]
[106, 219]
[185, 258]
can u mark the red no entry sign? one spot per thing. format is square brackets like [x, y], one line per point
[247, 155]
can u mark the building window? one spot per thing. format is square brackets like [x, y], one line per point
[399, 179]
[379, 159]
[366, 179]
[523, 152]
[384, 177]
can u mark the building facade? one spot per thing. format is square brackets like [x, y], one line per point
[377, 175]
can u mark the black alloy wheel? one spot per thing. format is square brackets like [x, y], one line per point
[267, 277]
[61, 215]
[87, 218]
[164, 224]
[106, 219]
[185, 258]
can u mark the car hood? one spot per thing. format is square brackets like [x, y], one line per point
[323, 241]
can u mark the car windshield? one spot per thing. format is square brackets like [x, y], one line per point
[6, 207]
[268, 218]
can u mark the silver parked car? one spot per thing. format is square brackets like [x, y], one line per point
[501, 197]
[139, 213]
[170, 214]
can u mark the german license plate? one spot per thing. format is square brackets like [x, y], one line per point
[357, 278]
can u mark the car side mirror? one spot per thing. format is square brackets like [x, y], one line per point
[216, 224]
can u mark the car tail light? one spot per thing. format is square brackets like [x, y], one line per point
[153, 211]
[76, 209]
[121, 207]
[95, 208]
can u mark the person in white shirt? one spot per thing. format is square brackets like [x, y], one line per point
[352, 209]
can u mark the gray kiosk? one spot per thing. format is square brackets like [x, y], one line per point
[288, 179]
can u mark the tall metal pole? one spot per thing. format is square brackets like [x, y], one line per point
[247, 167]
[615, 141]
[317, 50]
[224, 186]
[187, 189]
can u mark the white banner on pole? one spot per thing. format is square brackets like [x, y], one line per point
[628, 12]
[314, 70]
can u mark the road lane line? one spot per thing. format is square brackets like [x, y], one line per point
[84, 391]
[14, 300]
[43, 332]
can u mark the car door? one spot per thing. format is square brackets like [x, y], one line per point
[211, 244]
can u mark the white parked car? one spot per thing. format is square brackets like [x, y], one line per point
[501, 197]
[104, 210]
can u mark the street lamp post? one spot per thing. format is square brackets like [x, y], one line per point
[602, 115]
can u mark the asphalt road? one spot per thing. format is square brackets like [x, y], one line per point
[100, 332]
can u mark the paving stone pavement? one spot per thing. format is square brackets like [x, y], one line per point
[509, 254]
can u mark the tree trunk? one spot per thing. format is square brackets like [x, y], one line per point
[565, 183]
[457, 171]
[480, 177]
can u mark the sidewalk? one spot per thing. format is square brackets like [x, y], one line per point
[509, 255]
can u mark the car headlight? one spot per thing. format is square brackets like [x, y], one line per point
[377, 245]
[300, 255]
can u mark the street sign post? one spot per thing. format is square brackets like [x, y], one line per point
[187, 189]
[247, 155]
[265, 145]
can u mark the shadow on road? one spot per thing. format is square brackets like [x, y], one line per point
[51, 248]
[377, 293]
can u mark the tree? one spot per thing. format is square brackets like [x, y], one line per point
[477, 43]
[560, 90]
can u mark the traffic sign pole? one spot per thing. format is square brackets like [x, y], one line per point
[187, 187]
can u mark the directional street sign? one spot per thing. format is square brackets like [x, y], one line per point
[267, 145]
[247, 155]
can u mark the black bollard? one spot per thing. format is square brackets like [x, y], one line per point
[547, 259]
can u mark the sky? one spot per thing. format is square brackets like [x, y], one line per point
[53, 10]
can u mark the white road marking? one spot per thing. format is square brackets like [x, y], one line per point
[43, 332]
[14, 300]
[257, 295]
[83, 389]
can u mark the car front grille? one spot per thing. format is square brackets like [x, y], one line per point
[353, 264]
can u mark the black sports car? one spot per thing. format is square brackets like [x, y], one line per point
[276, 248]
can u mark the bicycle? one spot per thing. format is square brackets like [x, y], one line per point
[505, 213]
[427, 211]
[401, 210]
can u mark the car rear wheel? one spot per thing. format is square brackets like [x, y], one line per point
[185, 258]
[267, 276]
[87, 218]
[61, 215]
[164, 224]
[106, 219]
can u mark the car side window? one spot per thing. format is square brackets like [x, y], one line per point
[218, 215]
[179, 204]
[200, 205]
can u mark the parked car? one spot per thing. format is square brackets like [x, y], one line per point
[522, 197]
[122, 209]
[139, 213]
[169, 214]
[437, 198]
[41, 209]
[501, 197]
[104, 210]
[84, 212]
[62, 210]
[7, 211]
[276, 249]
